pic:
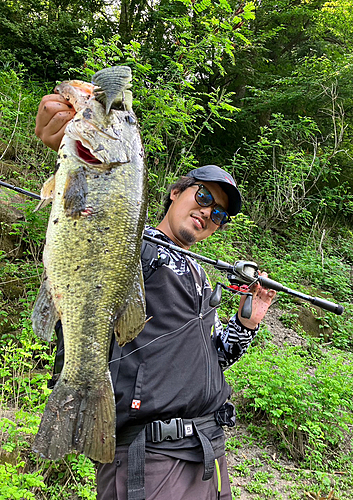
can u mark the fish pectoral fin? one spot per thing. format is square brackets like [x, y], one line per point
[42, 204]
[47, 193]
[44, 315]
[75, 192]
[133, 319]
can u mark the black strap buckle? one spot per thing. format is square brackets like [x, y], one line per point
[170, 430]
[226, 415]
[159, 261]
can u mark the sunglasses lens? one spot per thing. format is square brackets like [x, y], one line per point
[203, 197]
[219, 216]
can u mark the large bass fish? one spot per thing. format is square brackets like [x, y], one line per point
[93, 280]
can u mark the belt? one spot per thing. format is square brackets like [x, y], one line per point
[169, 430]
[172, 429]
[158, 431]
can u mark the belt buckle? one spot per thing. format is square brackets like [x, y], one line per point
[169, 430]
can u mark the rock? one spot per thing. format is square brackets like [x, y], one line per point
[312, 321]
[10, 214]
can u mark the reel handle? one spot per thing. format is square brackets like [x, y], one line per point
[247, 307]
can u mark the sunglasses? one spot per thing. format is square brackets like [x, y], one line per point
[205, 199]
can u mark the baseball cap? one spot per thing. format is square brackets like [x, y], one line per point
[212, 173]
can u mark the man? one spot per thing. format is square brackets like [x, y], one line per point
[170, 392]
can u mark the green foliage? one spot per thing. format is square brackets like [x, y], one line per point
[264, 85]
[291, 260]
[17, 103]
[19, 430]
[274, 380]
[31, 229]
[16, 119]
[41, 35]
[290, 167]
[230, 241]
[172, 113]
[24, 160]
[342, 327]
[73, 476]
[15, 484]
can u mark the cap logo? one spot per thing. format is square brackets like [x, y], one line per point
[229, 181]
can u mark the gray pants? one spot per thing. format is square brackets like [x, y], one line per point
[166, 478]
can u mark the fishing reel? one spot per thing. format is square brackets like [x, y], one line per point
[244, 274]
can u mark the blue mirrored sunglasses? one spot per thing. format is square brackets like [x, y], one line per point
[205, 199]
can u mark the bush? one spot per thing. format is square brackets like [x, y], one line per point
[307, 401]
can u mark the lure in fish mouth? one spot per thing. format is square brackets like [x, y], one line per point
[93, 278]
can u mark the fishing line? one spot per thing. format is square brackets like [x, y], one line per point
[161, 336]
[154, 340]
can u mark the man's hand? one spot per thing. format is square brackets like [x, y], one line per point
[54, 113]
[261, 301]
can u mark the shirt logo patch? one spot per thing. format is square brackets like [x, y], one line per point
[136, 403]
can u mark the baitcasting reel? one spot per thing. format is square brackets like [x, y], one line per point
[243, 275]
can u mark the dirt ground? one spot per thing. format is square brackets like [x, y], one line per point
[250, 462]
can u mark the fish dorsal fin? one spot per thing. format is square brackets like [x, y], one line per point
[111, 82]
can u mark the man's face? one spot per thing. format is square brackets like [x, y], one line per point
[187, 221]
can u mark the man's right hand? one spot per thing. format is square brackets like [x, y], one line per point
[53, 115]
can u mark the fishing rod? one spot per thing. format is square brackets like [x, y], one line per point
[20, 190]
[241, 275]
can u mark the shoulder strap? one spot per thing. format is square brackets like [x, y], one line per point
[151, 259]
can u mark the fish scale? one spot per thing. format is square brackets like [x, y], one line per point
[93, 279]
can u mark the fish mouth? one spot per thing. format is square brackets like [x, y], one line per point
[86, 155]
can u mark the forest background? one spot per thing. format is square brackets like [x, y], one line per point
[262, 89]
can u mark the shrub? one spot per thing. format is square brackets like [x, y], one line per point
[307, 401]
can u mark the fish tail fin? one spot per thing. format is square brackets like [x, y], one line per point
[95, 432]
[81, 420]
[111, 82]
